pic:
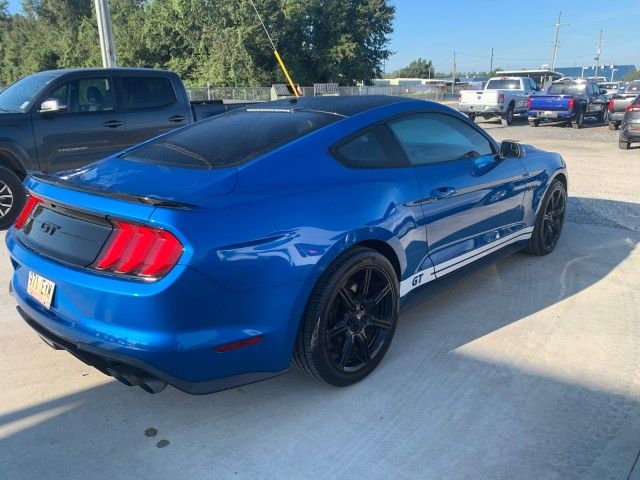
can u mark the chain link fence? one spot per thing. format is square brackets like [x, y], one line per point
[436, 93]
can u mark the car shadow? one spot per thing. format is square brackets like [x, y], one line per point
[477, 384]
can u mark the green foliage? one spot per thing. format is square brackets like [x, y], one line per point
[632, 76]
[419, 68]
[219, 42]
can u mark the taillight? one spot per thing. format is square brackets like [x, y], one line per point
[611, 105]
[26, 212]
[136, 250]
[501, 98]
[529, 103]
[633, 108]
[572, 102]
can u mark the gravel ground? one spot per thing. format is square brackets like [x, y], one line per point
[604, 181]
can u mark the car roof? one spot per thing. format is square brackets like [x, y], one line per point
[346, 106]
[102, 71]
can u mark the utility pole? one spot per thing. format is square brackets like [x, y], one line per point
[597, 57]
[491, 64]
[453, 80]
[105, 30]
[555, 43]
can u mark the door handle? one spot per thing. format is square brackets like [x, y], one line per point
[112, 124]
[177, 118]
[441, 193]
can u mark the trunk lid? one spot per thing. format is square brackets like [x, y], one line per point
[143, 182]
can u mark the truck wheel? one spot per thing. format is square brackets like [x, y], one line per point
[624, 145]
[613, 126]
[534, 123]
[472, 116]
[12, 197]
[579, 120]
[507, 118]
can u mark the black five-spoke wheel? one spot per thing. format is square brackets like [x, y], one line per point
[350, 319]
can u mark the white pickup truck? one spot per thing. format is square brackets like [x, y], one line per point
[502, 97]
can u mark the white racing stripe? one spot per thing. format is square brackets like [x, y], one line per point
[429, 274]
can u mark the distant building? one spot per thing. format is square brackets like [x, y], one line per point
[606, 71]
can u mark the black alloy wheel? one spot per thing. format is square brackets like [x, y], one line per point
[550, 221]
[350, 319]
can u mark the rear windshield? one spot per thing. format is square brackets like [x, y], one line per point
[503, 85]
[229, 139]
[567, 88]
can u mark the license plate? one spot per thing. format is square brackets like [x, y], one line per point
[41, 289]
[549, 114]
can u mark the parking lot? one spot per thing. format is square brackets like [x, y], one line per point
[530, 369]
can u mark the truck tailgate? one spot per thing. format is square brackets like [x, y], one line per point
[551, 103]
[479, 97]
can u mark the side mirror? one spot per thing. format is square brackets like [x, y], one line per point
[511, 149]
[52, 106]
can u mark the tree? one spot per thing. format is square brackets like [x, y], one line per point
[205, 41]
[632, 76]
[419, 68]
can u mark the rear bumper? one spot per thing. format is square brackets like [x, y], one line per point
[166, 330]
[630, 132]
[556, 115]
[481, 109]
[616, 117]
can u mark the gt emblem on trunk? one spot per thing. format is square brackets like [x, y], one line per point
[49, 228]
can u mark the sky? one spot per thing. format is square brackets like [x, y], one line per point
[521, 32]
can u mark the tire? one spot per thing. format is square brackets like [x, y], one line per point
[507, 118]
[342, 339]
[540, 242]
[624, 145]
[613, 126]
[12, 197]
[579, 120]
[534, 123]
[472, 116]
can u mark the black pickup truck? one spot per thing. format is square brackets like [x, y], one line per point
[62, 119]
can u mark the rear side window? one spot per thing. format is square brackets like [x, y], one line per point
[229, 139]
[148, 92]
[434, 137]
[374, 148]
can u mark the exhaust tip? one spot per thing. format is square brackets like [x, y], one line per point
[132, 377]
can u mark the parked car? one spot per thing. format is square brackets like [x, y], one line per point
[630, 126]
[609, 88]
[56, 120]
[618, 104]
[568, 100]
[502, 97]
[297, 230]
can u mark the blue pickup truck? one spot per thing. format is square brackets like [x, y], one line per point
[61, 119]
[568, 100]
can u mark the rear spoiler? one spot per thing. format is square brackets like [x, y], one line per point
[155, 202]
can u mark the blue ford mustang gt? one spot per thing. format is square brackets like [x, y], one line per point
[217, 254]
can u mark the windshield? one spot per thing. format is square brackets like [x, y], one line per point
[17, 96]
[229, 139]
[503, 85]
[567, 88]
